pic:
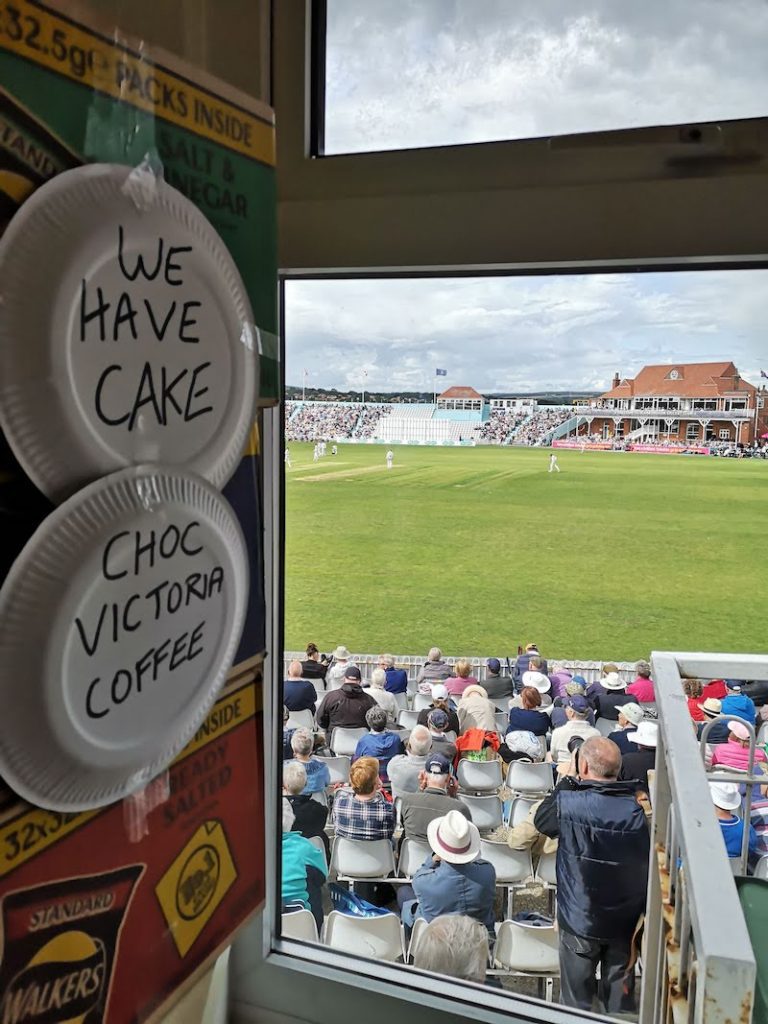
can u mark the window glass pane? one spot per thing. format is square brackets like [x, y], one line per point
[432, 72]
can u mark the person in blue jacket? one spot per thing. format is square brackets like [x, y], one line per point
[738, 703]
[397, 678]
[380, 742]
[727, 799]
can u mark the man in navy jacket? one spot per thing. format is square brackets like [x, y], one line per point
[397, 678]
[602, 875]
[298, 694]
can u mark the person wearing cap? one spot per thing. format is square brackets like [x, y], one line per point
[475, 711]
[313, 666]
[435, 670]
[576, 688]
[637, 764]
[738, 703]
[382, 697]
[630, 717]
[347, 706]
[453, 879]
[435, 796]
[441, 699]
[523, 662]
[380, 742]
[528, 717]
[457, 684]
[614, 695]
[727, 799]
[735, 753]
[437, 723]
[404, 769]
[334, 677]
[602, 877]
[642, 688]
[577, 712]
[298, 693]
[397, 678]
[497, 686]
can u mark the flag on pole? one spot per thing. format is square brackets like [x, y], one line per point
[764, 374]
[441, 373]
[306, 372]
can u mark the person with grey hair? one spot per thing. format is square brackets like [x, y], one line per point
[405, 769]
[642, 688]
[453, 945]
[380, 742]
[304, 869]
[309, 816]
[317, 774]
[397, 678]
[602, 877]
[382, 697]
[435, 670]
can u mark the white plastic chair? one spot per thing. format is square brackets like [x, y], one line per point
[413, 853]
[530, 779]
[421, 701]
[401, 699]
[762, 735]
[408, 719]
[318, 842]
[338, 768]
[502, 722]
[479, 776]
[362, 858]
[379, 938]
[761, 868]
[485, 811]
[417, 932]
[519, 810]
[301, 720]
[512, 867]
[605, 726]
[344, 741]
[299, 924]
[528, 951]
[545, 869]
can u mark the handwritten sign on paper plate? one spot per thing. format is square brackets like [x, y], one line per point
[143, 593]
[125, 331]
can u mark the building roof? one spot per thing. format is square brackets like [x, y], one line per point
[684, 380]
[460, 393]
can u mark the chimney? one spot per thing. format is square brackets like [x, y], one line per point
[616, 380]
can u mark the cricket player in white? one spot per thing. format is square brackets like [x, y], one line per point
[316, 453]
[287, 458]
[390, 457]
[553, 463]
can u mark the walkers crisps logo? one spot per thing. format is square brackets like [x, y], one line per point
[59, 946]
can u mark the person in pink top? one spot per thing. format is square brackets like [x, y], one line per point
[735, 753]
[456, 685]
[642, 688]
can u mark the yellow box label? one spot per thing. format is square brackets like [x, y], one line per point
[34, 831]
[196, 883]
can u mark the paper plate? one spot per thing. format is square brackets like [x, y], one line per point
[118, 624]
[126, 335]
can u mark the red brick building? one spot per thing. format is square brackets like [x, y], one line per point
[690, 403]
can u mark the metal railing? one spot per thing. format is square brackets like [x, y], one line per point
[698, 961]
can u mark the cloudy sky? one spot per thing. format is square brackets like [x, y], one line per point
[500, 334]
[426, 72]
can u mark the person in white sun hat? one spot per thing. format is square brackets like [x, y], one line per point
[453, 879]
[630, 717]
[637, 765]
[727, 799]
[612, 695]
[539, 682]
[339, 663]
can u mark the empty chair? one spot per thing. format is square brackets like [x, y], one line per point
[338, 769]
[401, 699]
[421, 701]
[525, 778]
[526, 950]
[318, 842]
[408, 719]
[512, 866]
[417, 932]
[519, 810]
[301, 720]
[502, 721]
[479, 776]
[545, 869]
[299, 924]
[379, 938]
[605, 726]
[344, 741]
[485, 810]
[362, 858]
[412, 855]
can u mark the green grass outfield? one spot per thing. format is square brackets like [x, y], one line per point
[479, 549]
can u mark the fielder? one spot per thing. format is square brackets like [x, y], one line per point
[390, 457]
[553, 463]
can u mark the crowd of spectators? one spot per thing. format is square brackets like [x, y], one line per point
[501, 423]
[598, 740]
[537, 429]
[331, 421]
